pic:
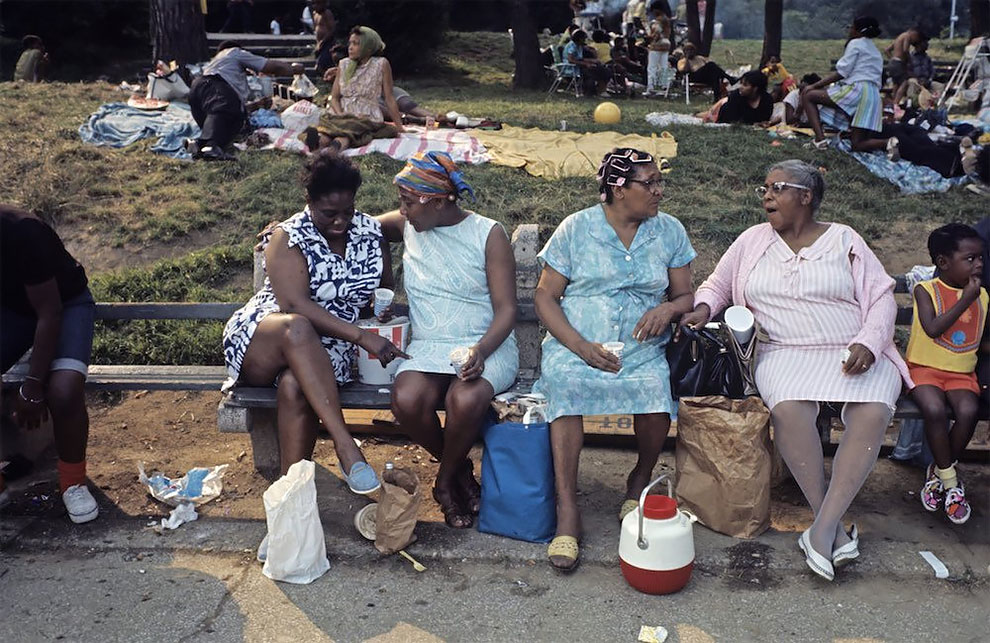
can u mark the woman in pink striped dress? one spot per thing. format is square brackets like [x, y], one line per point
[828, 307]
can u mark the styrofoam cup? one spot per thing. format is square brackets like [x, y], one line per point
[615, 348]
[383, 299]
[740, 321]
[459, 357]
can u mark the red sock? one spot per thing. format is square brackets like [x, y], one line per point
[71, 473]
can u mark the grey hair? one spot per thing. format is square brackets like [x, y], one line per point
[804, 174]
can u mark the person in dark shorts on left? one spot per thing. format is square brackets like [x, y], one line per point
[46, 306]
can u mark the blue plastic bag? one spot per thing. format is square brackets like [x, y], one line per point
[517, 491]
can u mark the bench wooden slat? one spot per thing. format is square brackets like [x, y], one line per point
[217, 311]
[140, 377]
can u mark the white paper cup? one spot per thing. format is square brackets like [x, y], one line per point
[366, 520]
[740, 321]
[383, 299]
[459, 357]
[615, 348]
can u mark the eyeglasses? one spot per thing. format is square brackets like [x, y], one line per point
[652, 185]
[777, 187]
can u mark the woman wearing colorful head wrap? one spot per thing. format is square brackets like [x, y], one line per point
[354, 117]
[459, 275]
[619, 271]
[850, 96]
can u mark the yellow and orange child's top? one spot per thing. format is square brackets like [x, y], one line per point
[955, 349]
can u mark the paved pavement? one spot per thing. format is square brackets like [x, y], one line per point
[119, 579]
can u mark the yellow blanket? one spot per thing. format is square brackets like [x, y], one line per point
[554, 155]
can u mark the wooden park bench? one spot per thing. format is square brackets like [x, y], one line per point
[252, 410]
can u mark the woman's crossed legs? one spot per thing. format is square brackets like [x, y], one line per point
[307, 391]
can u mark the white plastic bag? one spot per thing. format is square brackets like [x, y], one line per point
[297, 550]
[300, 115]
[170, 87]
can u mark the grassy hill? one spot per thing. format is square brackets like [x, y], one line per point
[151, 228]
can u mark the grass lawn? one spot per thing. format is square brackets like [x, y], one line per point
[151, 228]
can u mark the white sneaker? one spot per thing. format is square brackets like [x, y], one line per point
[80, 504]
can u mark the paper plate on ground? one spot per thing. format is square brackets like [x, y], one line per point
[140, 102]
[365, 520]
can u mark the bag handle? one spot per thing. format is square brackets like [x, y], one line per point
[641, 542]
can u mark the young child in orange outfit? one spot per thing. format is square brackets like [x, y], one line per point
[948, 331]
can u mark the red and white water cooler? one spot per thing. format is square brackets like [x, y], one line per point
[656, 544]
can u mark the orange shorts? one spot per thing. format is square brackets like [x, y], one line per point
[943, 380]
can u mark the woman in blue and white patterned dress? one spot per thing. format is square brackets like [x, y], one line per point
[298, 332]
[619, 271]
[459, 273]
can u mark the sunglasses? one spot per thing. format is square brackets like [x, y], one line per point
[651, 185]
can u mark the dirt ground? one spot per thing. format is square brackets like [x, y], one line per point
[173, 432]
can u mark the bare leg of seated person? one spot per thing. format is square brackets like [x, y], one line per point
[286, 341]
[651, 432]
[297, 423]
[566, 440]
[467, 403]
[415, 400]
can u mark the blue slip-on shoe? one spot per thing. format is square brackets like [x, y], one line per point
[362, 479]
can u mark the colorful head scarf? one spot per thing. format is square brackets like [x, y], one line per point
[371, 45]
[433, 175]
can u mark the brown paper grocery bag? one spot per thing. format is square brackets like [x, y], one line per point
[724, 461]
[395, 519]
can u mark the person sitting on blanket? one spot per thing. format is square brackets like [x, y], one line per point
[638, 282]
[778, 76]
[46, 306]
[33, 62]
[853, 89]
[827, 304]
[299, 331]
[701, 70]
[354, 117]
[218, 98]
[409, 108]
[750, 104]
[790, 112]
[459, 275]
[921, 71]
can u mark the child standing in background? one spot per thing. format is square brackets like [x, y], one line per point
[947, 333]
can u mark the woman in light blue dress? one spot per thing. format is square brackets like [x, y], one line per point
[459, 275]
[619, 271]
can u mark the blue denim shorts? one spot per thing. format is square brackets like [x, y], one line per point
[75, 339]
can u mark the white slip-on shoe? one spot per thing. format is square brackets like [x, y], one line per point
[818, 563]
[849, 551]
[80, 504]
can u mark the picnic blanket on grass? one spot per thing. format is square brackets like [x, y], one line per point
[118, 125]
[554, 155]
[910, 178]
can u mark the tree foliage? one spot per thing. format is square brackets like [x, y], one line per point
[813, 19]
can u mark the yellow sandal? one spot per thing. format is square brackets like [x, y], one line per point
[564, 547]
[628, 505]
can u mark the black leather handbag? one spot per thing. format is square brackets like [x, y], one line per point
[703, 362]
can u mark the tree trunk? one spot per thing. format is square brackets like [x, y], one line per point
[525, 48]
[694, 23]
[178, 31]
[709, 33]
[773, 27]
[979, 18]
